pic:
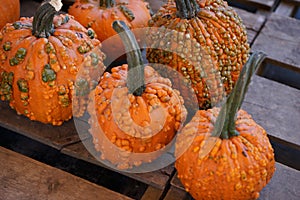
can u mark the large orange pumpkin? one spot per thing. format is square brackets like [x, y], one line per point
[99, 15]
[194, 28]
[9, 11]
[135, 113]
[40, 57]
[229, 155]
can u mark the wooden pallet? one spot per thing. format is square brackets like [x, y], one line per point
[20, 174]
[273, 101]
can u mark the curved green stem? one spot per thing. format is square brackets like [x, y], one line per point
[107, 3]
[135, 77]
[225, 123]
[187, 9]
[42, 25]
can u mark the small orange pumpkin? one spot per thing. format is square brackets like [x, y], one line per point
[134, 112]
[194, 28]
[9, 11]
[99, 15]
[230, 156]
[40, 57]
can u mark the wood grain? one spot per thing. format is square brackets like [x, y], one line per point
[157, 179]
[276, 107]
[23, 178]
[259, 4]
[280, 40]
[54, 136]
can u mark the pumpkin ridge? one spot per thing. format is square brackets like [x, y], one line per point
[63, 55]
[12, 35]
[67, 33]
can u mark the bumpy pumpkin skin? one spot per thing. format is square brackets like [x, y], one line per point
[235, 168]
[100, 19]
[9, 11]
[127, 127]
[219, 31]
[43, 70]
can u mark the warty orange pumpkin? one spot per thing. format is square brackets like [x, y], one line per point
[194, 28]
[135, 113]
[40, 58]
[9, 11]
[230, 156]
[99, 15]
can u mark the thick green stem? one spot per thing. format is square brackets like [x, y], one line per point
[135, 77]
[107, 3]
[225, 123]
[42, 25]
[187, 9]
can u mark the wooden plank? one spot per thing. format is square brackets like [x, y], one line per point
[54, 136]
[285, 184]
[280, 40]
[152, 193]
[175, 193]
[253, 23]
[285, 8]
[24, 178]
[156, 179]
[259, 4]
[276, 107]
[295, 2]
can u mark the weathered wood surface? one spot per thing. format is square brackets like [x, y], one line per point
[296, 2]
[285, 8]
[259, 4]
[285, 184]
[23, 178]
[280, 40]
[156, 179]
[276, 107]
[152, 193]
[54, 136]
[176, 193]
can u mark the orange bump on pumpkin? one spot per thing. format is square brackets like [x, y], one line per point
[99, 15]
[235, 165]
[9, 11]
[132, 127]
[40, 57]
[209, 26]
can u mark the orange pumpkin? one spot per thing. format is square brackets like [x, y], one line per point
[194, 28]
[135, 113]
[40, 57]
[229, 155]
[9, 11]
[99, 15]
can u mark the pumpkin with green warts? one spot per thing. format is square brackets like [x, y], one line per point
[229, 155]
[99, 15]
[9, 11]
[40, 58]
[210, 24]
[134, 111]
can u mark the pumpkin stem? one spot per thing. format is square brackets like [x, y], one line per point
[187, 9]
[225, 123]
[107, 3]
[135, 76]
[42, 25]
